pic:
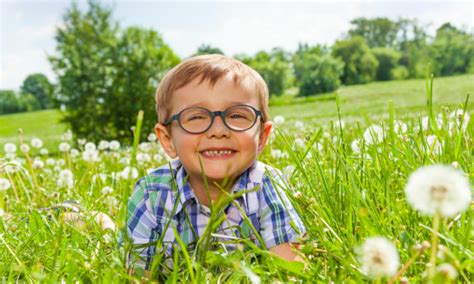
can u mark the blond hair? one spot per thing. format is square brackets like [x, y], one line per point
[211, 67]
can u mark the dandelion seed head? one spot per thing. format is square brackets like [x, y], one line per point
[355, 146]
[24, 148]
[44, 151]
[373, 134]
[433, 145]
[50, 161]
[74, 153]
[114, 145]
[151, 137]
[379, 257]
[90, 146]
[399, 127]
[90, 156]
[103, 145]
[64, 147]
[299, 124]
[279, 119]
[4, 184]
[36, 143]
[438, 188]
[38, 164]
[67, 136]
[447, 271]
[81, 141]
[129, 173]
[65, 179]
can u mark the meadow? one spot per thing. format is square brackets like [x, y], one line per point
[349, 160]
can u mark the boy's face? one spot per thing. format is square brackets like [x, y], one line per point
[237, 150]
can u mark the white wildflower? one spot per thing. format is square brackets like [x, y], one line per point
[90, 146]
[355, 146]
[288, 171]
[74, 153]
[145, 147]
[399, 127]
[10, 156]
[107, 190]
[81, 142]
[299, 142]
[64, 147]
[67, 136]
[276, 153]
[373, 134]
[438, 188]
[299, 124]
[50, 161]
[447, 271]
[157, 157]
[4, 184]
[9, 148]
[114, 145]
[339, 124]
[90, 155]
[24, 148]
[38, 164]
[424, 123]
[36, 143]
[103, 145]
[318, 146]
[44, 151]
[65, 179]
[434, 146]
[379, 257]
[279, 119]
[151, 137]
[455, 165]
[129, 173]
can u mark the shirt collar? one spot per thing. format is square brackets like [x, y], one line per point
[185, 193]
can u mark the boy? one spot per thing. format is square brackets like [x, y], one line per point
[213, 120]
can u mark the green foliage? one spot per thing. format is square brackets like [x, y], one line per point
[452, 51]
[316, 72]
[39, 86]
[360, 64]
[11, 102]
[274, 68]
[208, 49]
[106, 75]
[377, 32]
[388, 60]
[399, 73]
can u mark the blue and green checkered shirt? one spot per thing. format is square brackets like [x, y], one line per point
[163, 201]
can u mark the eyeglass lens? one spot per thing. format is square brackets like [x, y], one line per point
[237, 118]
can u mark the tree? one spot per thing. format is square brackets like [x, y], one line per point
[274, 68]
[452, 50]
[8, 102]
[360, 64]
[105, 75]
[39, 86]
[388, 60]
[378, 32]
[207, 49]
[316, 71]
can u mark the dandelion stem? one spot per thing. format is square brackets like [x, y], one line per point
[407, 264]
[434, 245]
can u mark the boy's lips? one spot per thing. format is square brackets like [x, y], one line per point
[217, 153]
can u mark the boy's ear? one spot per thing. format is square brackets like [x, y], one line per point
[264, 134]
[164, 137]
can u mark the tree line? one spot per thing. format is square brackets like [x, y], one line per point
[107, 73]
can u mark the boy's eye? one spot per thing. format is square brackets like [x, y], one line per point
[195, 117]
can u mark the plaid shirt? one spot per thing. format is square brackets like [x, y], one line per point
[163, 200]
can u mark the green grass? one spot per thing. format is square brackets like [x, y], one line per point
[43, 124]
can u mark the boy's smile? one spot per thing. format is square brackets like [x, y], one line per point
[223, 153]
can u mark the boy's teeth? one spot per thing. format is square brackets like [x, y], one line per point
[217, 153]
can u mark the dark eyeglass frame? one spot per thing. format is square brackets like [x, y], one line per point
[213, 115]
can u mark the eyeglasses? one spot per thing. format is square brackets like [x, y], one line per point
[197, 120]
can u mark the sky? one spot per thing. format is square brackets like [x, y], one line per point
[27, 27]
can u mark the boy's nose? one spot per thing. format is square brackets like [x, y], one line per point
[218, 128]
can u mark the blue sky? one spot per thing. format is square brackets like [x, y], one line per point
[27, 28]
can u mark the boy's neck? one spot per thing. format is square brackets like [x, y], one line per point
[213, 190]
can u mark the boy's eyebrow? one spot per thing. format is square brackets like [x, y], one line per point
[205, 104]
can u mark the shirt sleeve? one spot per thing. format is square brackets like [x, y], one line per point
[142, 226]
[279, 222]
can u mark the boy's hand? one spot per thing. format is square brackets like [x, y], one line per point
[287, 252]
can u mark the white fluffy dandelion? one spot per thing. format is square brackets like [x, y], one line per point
[399, 127]
[107, 190]
[151, 137]
[36, 143]
[379, 257]
[433, 145]
[279, 119]
[9, 148]
[438, 188]
[90, 146]
[67, 136]
[24, 148]
[299, 124]
[4, 184]
[90, 155]
[114, 145]
[373, 134]
[44, 151]
[38, 164]
[65, 179]
[74, 153]
[447, 271]
[103, 145]
[355, 146]
[64, 147]
[459, 118]
[129, 173]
